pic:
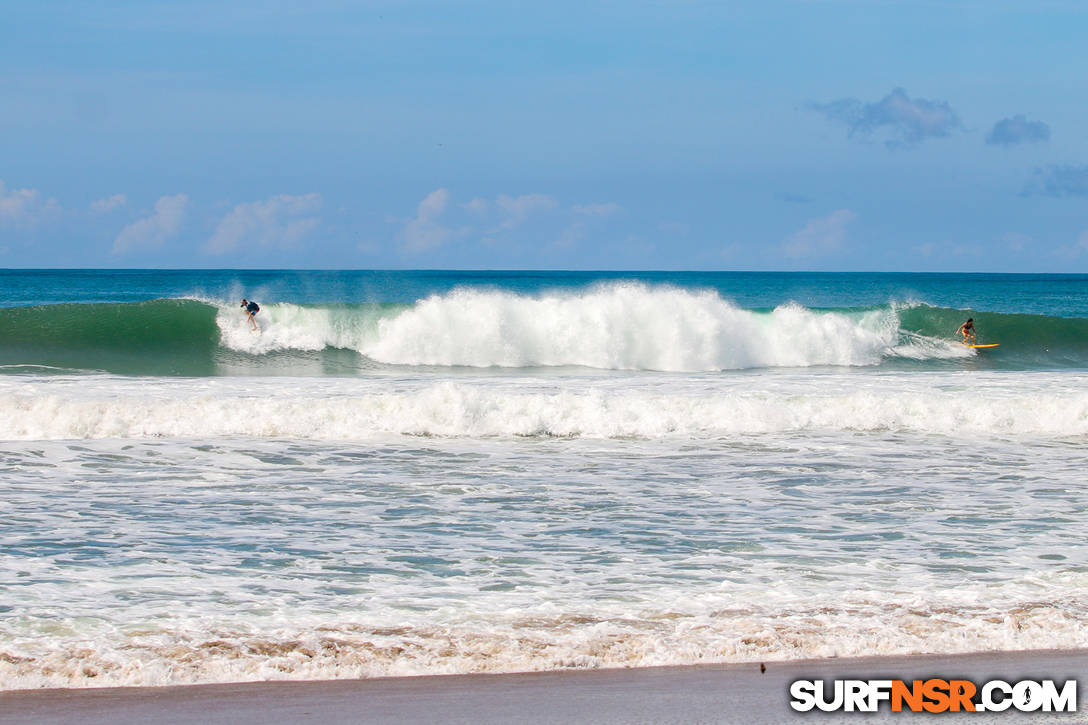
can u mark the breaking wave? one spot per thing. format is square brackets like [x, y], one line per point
[618, 327]
[621, 326]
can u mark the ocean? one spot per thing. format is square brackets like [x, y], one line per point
[428, 472]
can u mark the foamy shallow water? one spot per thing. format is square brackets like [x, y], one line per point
[545, 404]
[193, 530]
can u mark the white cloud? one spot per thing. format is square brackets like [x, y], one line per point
[424, 232]
[280, 221]
[477, 206]
[439, 221]
[434, 204]
[510, 212]
[517, 209]
[103, 206]
[597, 210]
[820, 236]
[154, 229]
[25, 206]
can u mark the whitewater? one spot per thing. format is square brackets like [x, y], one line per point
[422, 473]
[669, 407]
[618, 327]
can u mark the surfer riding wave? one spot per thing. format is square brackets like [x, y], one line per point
[251, 308]
[967, 329]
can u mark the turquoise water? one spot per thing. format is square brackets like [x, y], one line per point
[435, 472]
[1038, 294]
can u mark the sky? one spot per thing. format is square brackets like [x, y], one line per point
[865, 135]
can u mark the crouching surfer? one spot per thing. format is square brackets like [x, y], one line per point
[251, 308]
[967, 329]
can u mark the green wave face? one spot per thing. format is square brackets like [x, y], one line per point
[173, 337]
[158, 337]
[1026, 340]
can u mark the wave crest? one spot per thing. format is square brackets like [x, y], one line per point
[616, 327]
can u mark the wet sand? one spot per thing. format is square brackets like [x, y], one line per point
[700, 694]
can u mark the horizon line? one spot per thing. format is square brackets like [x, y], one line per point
[513, 270]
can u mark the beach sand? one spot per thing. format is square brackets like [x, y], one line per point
[733, 693]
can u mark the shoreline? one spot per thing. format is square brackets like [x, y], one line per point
[723, 693]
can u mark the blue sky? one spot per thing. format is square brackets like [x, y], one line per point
[820, 135]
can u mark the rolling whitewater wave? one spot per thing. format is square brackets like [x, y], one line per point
[611, 327]
[95, 410]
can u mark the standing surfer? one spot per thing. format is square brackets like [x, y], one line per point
[252, 308]
[967, 329]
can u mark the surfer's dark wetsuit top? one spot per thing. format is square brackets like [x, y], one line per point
[253, 308]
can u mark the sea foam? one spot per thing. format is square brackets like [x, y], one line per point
[614, 327]
[663, 409]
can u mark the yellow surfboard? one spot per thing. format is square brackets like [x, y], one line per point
[993, 344]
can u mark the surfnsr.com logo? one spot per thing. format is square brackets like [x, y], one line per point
[933, 695]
